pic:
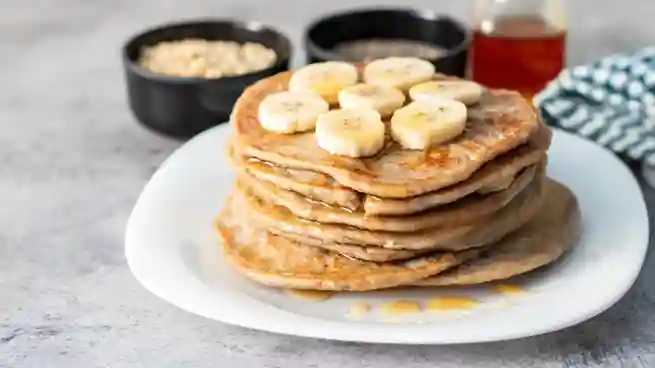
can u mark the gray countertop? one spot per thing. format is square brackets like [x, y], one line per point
[72, 162]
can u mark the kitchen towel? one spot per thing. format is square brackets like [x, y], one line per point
[611, 102]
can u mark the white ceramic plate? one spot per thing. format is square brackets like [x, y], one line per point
[173, 251]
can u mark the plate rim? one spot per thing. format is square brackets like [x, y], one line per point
[140, 276]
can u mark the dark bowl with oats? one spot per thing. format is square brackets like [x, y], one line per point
[183, 92]
[368, 34]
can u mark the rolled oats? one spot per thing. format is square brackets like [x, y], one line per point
[206, 59]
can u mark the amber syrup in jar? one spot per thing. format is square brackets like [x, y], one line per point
[518, 52]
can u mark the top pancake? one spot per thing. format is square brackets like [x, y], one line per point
[323, 188]
[500, 122]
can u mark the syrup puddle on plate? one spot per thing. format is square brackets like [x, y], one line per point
[508, 289]
[359, 308]
[400, 306]
[451, 303]
[313, 295]
[445, 306]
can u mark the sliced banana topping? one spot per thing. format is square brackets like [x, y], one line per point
[467, 92]
[291, 112]
[351, 132]
[422, 124]
[326, 79]
[384, 99]
[398, 72]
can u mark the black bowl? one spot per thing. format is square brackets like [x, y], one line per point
[325, 33]
[182, 107]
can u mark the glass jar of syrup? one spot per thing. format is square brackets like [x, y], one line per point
[518, 44]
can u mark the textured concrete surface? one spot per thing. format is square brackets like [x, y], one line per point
[72, 162]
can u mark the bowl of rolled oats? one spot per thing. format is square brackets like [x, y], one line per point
[184, 78]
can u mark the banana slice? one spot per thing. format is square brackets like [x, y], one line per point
[384, 99]
[422, 124]
[291, 112]
[467, 92]
[350, 132]
[398, 72]
[326, 79]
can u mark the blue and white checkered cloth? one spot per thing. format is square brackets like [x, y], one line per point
[611, 102]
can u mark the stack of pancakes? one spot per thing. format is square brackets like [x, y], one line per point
[476, 209]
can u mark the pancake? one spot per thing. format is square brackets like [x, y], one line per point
[543, 240]
[311, 184]
[500, 122]
[496, 171]
[279, 262]
[373, 254]
[461, 212]
[484, 231]
[323, 188]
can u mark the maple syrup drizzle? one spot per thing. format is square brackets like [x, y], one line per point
[313, 295]
[400, 306]
[451, 303]
[508, 289]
